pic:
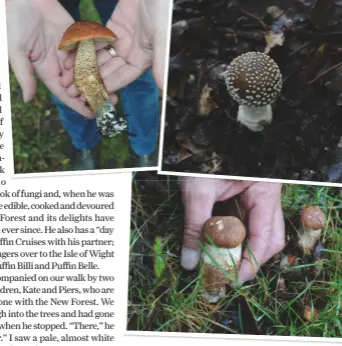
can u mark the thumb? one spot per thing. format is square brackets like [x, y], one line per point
[197, 211]
[158, 65]
[24, 73]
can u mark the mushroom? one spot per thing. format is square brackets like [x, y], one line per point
[310, 313]
[221, 255]
[82, 36]
[312, 221]
[254, 80]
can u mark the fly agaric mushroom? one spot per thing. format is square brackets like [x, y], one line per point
[312, 221]
[82, 36]
[221, 255]
[254, 81]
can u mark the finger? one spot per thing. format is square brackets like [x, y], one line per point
[113, 99]
[118, 74]
[277, 241]
[197, 211]
[233, 188]
[103, 56]
[159, 58]
[102, 44]
[72, 91]
[70, 60]
[67, 79]
[76, 103]
[24, 73]
[259, 203]
[158, 67]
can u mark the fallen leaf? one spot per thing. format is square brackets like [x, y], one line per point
[188, 144]
[213, 165]
[206, 103]
[310, 71]
[281, 286]
[310, 313]
[273, 40]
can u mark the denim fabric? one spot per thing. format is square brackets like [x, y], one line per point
[140, 102]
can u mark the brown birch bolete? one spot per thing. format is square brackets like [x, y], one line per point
[221, 256]
[82, 36]
[312, 221]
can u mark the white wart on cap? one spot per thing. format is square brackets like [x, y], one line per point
[254, 81]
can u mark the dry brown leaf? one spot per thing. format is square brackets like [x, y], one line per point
[188, 147]
[206, 103]
[310, 313]
[281, 286]
[213, 165]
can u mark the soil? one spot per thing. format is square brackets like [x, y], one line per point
[202, 134]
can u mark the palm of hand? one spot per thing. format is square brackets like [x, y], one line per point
[134, 34]
[46, 59]
[33, 47]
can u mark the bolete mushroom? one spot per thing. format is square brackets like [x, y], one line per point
[312, 221]
[221, 256]
[254, 81]
[82, 36]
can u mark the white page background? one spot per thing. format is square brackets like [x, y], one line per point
[121, 184]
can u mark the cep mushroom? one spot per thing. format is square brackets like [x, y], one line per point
[254, 81]
[221, 256]
[312, 221]
[82, 36]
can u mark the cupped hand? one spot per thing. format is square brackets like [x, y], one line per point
[34, 31]
[141, 27]
[262, 202]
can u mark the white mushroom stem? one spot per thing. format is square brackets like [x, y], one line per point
[308, 238]
[223, 257]
[220, 266]
[254, 117]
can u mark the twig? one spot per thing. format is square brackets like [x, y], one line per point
[325, 72]
[253, 16]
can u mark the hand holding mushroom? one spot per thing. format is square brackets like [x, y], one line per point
[81, 36]
[264, 214]
[141, 27]
[32, 47]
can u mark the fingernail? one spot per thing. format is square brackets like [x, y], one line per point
[189, 258]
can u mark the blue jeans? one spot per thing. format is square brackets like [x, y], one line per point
[140, 101]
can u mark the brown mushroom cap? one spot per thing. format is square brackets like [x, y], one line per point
[84, 30]
[312, 217]
[253, 79]
[225, 231]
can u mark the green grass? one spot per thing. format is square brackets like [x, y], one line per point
[171, 302]
[40, 143]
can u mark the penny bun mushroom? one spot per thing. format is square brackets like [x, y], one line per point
[254, 81]
[221, 256]
[312, 221]
[82, 36]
